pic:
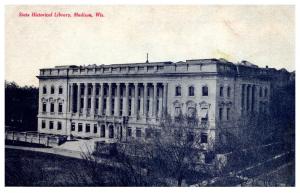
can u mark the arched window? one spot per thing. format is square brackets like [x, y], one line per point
[221, 91]
[204, 91]
[52, 90]
[228, 91]
[191, 91]
[266, 92]
[44, 90]
[178, 91]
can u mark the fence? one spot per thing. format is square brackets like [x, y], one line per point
[48, 140]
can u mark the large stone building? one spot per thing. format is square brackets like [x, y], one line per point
[120, 101]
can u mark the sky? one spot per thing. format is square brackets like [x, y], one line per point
[263, 35]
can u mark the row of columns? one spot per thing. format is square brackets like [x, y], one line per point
[155, 97]
[249, 98]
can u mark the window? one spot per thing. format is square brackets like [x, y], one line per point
[52, 107]
[97, 90]
[73, 127]
[87, 128]
[97, 103]
[79, 127]
[260, 92]
[138, 132]
[44, 107]
[60, 90]
[220, 113]
[148, 133]
[221, 91]
[58, 125]
[81, 102]
[266, 92]
[44, 90]
[50, 124]
[178, 91]
[43, 124]
[204, 120]
[60, 107]
[89, 103]
[95, 128]
[204, 91]
[228, 91]
[102, 134]
[52, 90]
[129, 132]
[111, 132]
[203, 138]
[191, 91]
[177, 111]
[228, 113]
[89, 90]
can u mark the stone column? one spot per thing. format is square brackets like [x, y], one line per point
[117, 100]
[250, 98]
[165, 97]
[145, 100]
[71, 98]
[242, 98]
[85, 106]
[93, 99]
[125, 103]
[136, 88]
[100, 109]
[154, 99]
[108, 100]
[78, 98]
[160, 106]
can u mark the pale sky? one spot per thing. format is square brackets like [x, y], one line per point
[263, 35]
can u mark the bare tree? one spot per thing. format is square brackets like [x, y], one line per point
[176, 146]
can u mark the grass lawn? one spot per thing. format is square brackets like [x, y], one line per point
[27, 168]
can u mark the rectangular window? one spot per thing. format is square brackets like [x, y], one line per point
[58, 125]
[73, 127]
[102, 134]
[44, 107]
[81, 102]
[228, 113]
[79, 127]
[148, 133]
[138, 132]
[52, 107]
[43, 124]
[89, 103]
[220, 113]
[129, 132]
[97, 90]
[89, 90]
[203, 138]
[95, 128]
[97, 103]
[60, 90]
[50, 124]
[87, 128]
[60, 107]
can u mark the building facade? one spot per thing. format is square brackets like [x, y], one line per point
[120, 101]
